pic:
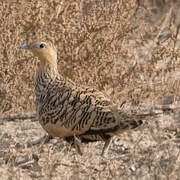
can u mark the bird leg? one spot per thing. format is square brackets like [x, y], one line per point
[106, 147]
[47, 138]
[77, 145]
[74, 141]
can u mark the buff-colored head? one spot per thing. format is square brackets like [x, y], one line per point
[45, 52]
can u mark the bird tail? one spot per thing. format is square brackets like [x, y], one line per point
[130, 122]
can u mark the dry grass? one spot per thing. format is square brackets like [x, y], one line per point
[128, 51]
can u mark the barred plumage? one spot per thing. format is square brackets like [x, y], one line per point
[66, 109]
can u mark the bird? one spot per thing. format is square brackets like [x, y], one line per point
[72, 111]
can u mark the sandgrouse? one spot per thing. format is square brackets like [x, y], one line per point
[68, 110]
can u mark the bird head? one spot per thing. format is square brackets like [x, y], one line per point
[45, 52]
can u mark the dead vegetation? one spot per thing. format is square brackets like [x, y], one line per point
[128, 49]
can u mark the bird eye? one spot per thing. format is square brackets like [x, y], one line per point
[42, 46]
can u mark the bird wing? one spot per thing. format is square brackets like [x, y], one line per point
[88, 109]
[96, 114]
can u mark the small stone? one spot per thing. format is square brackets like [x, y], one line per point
[133, 168]
[21, 160]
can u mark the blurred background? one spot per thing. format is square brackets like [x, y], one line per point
[128, 49]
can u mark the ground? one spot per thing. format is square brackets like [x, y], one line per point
[128, 50]
[150, 152]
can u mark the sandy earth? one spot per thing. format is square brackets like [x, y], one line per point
[150, 152]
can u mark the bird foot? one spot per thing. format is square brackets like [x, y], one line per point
[42, 140]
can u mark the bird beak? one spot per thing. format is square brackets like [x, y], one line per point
[24, 46]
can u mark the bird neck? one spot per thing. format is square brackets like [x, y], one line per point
[49, 69]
